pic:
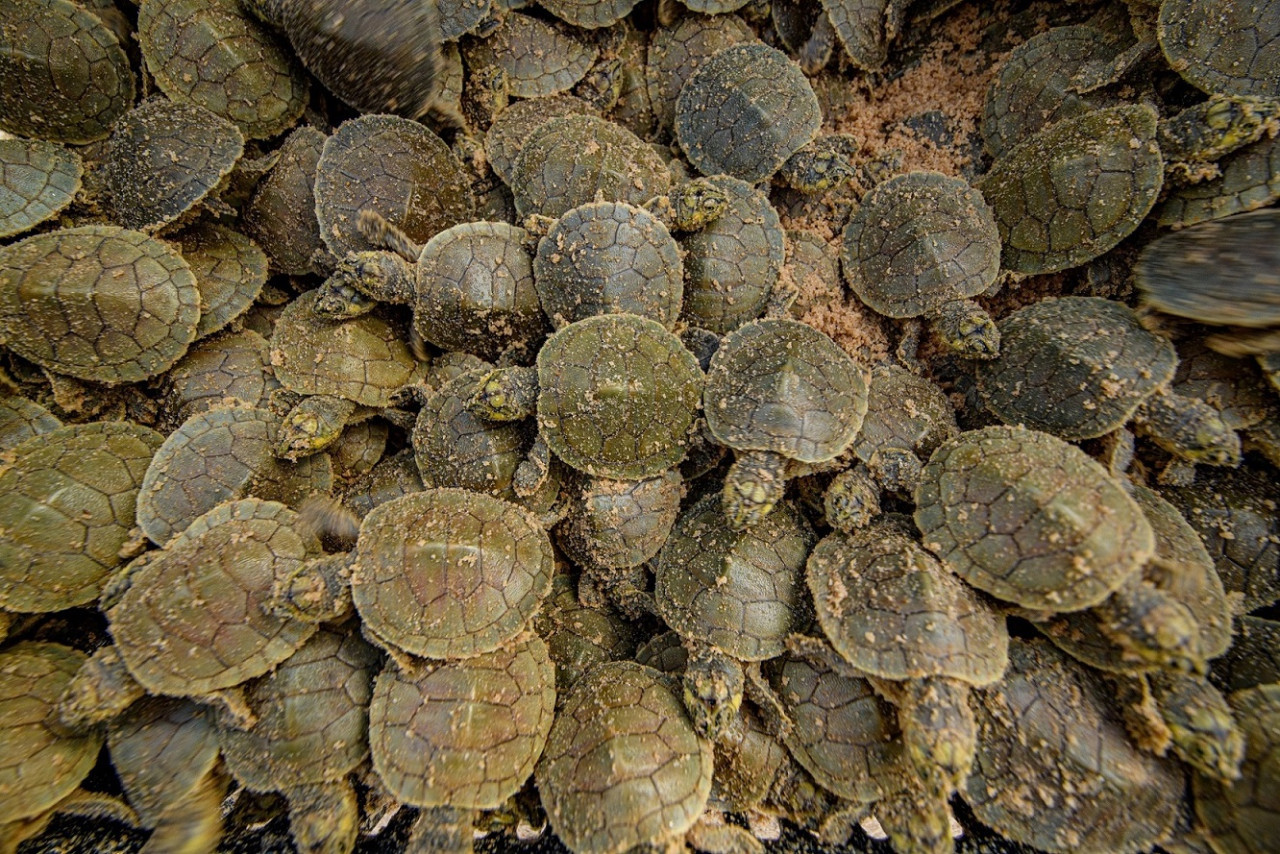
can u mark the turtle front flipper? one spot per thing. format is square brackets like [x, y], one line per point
[1188, 428]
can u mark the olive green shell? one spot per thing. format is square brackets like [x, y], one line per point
[1030, 519]
[569, 160]
[739, 591]
[228, 369]
[732, 265]
[455, 448]
[1250, 180]
[163, 158]
[476, 291]
[467, 580]
[1234, 513]
[312, 716]
[219, 455]
[68, 508]
[1219, 272]
[589, 14]
[891, 610]
[161, 748]
[861, 26]
[609, 257]
[21, 419]
[359, 448]
[281, 215]
[394, 476]
[842, 732]
[97, 303]
[230, 271]
[1230, 49]
[463, 734]
[579, 636]
[745, 111]
[1076, 367]
[1181, 568]
[781, 385]
[215, 55]
[623, 765]
[392, 166]
[1034, 87]
[1055, 768]
[67, 78]
[904, 411]
[1241, 818]
[621, 523]
[539, 58]
[1076, 189]
[37, 181]
[919, 241]
[366, 359]
[519, 122]
[676, 52]
[618, 394]
[196, 617]
[38, 765]
[461, 17]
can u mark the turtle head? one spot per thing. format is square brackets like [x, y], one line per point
[337, 299]
[897, 469]
[967, 329]
[851, 501]
[939, 730]
[1205, 736]
[696, 204]
[754, 485]
[713, 685]
[505, 394]
[311, 426]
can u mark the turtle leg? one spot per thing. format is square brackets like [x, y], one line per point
[324, 818]
[617, 588]
[938, 726]
[852, 500]
[1188, 428]
[773, 714]
[1201, 725]
[192, 824]
[532, 473]
[754, 485]
[379, 231]
[908, 348]
[897, 470]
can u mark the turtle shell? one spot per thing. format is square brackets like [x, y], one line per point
[161, 748]
[1055, 768]
[781, 385]
[395, 167]
[919, 241]
[609, 257]
[1241, 817]
[590, 14]
[39, 766]
[213, 54]
[38, 180]
[97, 303]
[1076, 367]
[618, 394]
[228, 369]
[467, 580]
[196, 617]
[745, 111]
[622, 523]
[519, 122]
[904, 410]
[21, 419]
[739, 591]
[463, 734]
[366, 359]
[1250, 180]
[281, 215]
[1253, 658]
[1231, 49]
[539, 58]
[623, 765]
[1030, 519]
[163, 158]
[230, 271]
[1075, 189]
[891, 610]
[67, 513]
[67, 78]
[676, 52]
[1219, 272]
[579, 636]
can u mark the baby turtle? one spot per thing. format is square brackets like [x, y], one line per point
[1081, 367]
[1230, 50]
[215, 55]
[615, 394]
[779, 391]
[227, 369]
[1240, 817]
[230, 271]
[895, 615]
[519, 122]
[164, 158]
[1075, 189]
[467, 582]
[623, 765]
[68, 510]
[749, 112]
[733, 597]
[1055, 768]
[1250, 180]
[22, 419]
[38, 180]
[540, 58]
[281, 215]
[675, 52]
[68, 76]
[921, 245]
[97, 303]
[580, 636]
[379, 57]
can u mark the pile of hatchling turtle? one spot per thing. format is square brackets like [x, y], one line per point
[411, 437]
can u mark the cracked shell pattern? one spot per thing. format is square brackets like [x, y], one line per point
[1030, 519]
[20, 419]
[463, 734]
[161, 748]
[98, 303]
[676, 52]
[38, 180]
[1226, 48]
[1250, 180]
[622, 523]
[69, 505]
[519, 122]
[623, 766]
[197, 618]
[229, 369]
[446, 573]
[230, 271]
[540, 58]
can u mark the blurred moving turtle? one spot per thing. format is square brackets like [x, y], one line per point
[1240, 817]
